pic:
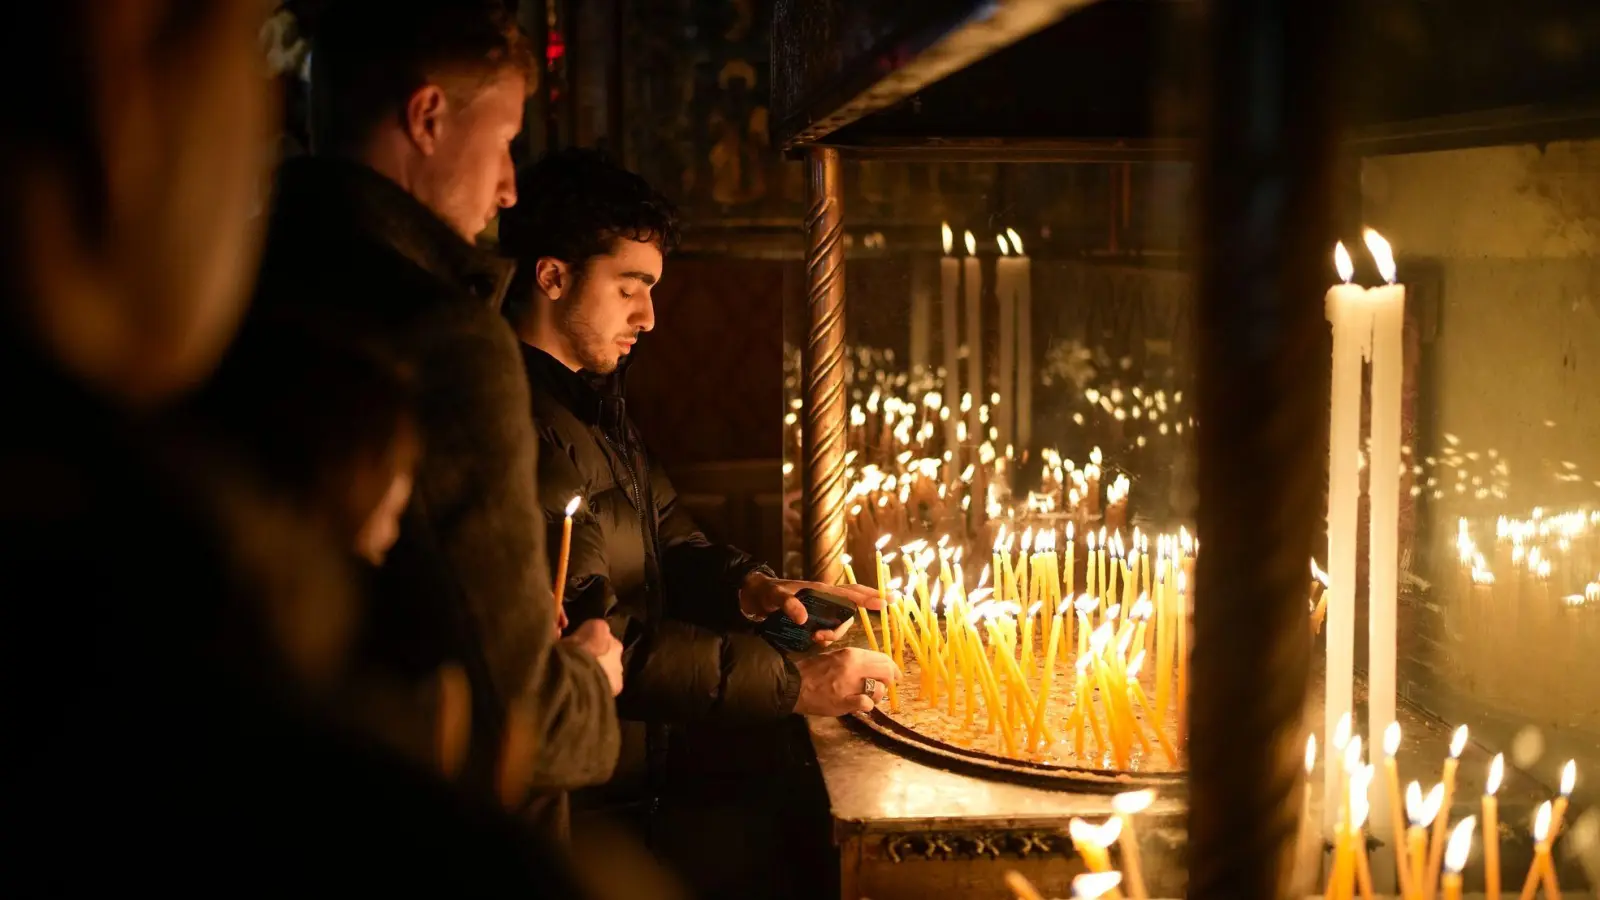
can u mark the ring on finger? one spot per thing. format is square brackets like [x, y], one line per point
[869, 686]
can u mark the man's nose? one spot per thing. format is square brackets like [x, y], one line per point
[644, 318]
[506, 190]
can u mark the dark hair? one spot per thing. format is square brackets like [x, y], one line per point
[307, 411]
[369, 56]
[573, 204]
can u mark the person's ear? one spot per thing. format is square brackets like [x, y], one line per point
[553, 276]
[425, 117]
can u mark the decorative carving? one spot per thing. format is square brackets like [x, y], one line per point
[822, 371]
[948, 845]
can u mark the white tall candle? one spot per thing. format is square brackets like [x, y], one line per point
[972, 275]
[949, 296]
[1352, 333]
[1024, 404]
[921, 314]
[1005, 295]
[1387, 304]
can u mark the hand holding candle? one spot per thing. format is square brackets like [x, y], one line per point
[566, 552]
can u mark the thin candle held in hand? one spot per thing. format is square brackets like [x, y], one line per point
[566, 551]
[1491, 828]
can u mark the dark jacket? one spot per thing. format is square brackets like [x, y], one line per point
[355, 258]
[639, 561]
[166, 629]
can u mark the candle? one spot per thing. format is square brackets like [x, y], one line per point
[1091, 843]
[1005, 295]
[1071, 563]
[1164, 641]
[1127, 806]
[949, 296]
[1391, 744]
[1491, 828]
[1458, 742]
[1048, 676]
[1156, 724]
[1542, 871]
[972, 276]
[1359, 807]
[1181, 609]
[566, 552]
[1387, 304]
[1351, 321]
[1021, 886]
[1309, 847]
[1569, 780]
[1024, 289]
[1456, 858]
[1422, 813]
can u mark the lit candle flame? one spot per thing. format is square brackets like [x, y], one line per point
[1318, 573]
[1497, 771]
[1000, 239]
[1311, 753]
[1382, 254]
[949, 237]
[1391, 739]
[1133, 802]
[884, 541]
[1016, 241]
[1352, 754]
[573, 506]
[1455, 855]
[1541, 822]
[1093, 885]
[972, 244]
[1341, 261]
[1136, 664]
[1341, 733]
[1569, 777]
[1426, 809]
[1099, 639]
[1458, 742]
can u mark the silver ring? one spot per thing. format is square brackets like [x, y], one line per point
[869, 686]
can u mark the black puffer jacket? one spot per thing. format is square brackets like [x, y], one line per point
[670, 595]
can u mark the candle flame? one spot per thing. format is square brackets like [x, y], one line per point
[1455, 855]
[1083, 664]
[572, 507]
[1318, 573]
[1360, 806]
[1311, 753]
[1341, 262]
[1133, 802]
[846, 558]
[1027, 540]
[1497, 771]
[1414, 803]
[1352, 754]
[1101, 637]
[1070, 532]
[1086, 604]
[884, 541]
[1136, 664]
[1112, 612]
[1016, 241]
[1382, 254]
[1034, 609]
[1569, 777]
[1000, 239]
[1391, 739]
[972, 244]
[1458, 742]
[1064, 606]
[1341, 733]
[1094, 885]
[1430, 806]
[1541, 822]
[949, 237]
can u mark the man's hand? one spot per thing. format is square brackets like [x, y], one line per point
[762, 595]
[595, 637]
[834, 683]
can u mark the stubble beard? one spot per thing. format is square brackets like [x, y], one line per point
[594, 351]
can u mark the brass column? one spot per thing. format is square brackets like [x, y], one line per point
[1267, 230]
[822, 371]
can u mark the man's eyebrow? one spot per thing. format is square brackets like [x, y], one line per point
[648, 279]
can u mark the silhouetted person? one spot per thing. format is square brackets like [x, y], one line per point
[170, 632]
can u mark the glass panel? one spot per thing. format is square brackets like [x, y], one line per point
[1028, 385]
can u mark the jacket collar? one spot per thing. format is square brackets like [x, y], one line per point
[587, 395]
[330, 197]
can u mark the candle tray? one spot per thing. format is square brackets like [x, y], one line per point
[972, 761]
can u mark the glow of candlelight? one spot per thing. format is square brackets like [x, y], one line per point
[1455, 855]
[1458, 742]
[884, 541]
[1133, 802]
[1342, 262]
[1311, 753]
[1000, 239]
[1382, 253]
[1391, 739]
[948, 235]
[1497, 772]
[1136, 664]
[1352, 754]
[1541, 822]
[573, 506]
[972, 244]
[1093, 885]
[1569, 777]
[1341, 733]
[1016, 240]
[1425, 810]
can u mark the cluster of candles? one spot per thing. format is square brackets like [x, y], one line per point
[1538, 550]
[1093, 845]
[1010, 649]
[1432, 855]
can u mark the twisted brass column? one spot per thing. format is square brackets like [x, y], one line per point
[822, 371]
